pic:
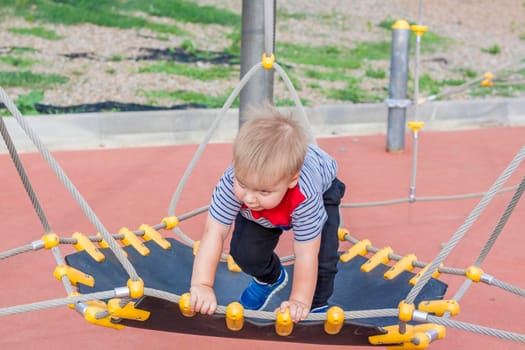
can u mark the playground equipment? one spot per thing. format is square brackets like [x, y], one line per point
[129, 292]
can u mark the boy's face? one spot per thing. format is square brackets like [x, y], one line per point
[260, 198]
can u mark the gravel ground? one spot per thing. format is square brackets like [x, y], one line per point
[472, 25]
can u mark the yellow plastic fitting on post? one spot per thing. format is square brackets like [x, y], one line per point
[196, 246]
[392, 336]
[401, 24]
[102, 243]
[382, 256]
[360, 248]
[90, 315]
[283, 323]
[267, 61]
[406, 311]
[416, 278]
[335, 318]
[440, 330]
[439, 307]
[170, 222]
[474, 273]
[131, 239]
[184, 305]
[50, 240]
[342, 233]
[74, 275]
[416, 126]
[83, 243]
[235, 316]
[232, 265]
[128, 311]
[136, 288]
[405, 264]
[419, 30]
[150, 234]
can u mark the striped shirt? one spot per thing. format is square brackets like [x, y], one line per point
[302, 208]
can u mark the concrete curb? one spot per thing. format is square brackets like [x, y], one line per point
[155, 128]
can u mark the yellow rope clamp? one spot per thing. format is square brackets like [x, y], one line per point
[267, 61]
[474, 273]
[416, 126]
[102, 243]
[283, 323]
[74, 275]
[416, 278]
[196, 246]
[136, 288]
[50, 240]
[150, 234]
[170, 222]
[83, 243]
[335, 318]
[90, 315]
[360, 248]
[232, 265]
[415, 337]
[405, 264]
[406, 311]
[488, 79]
[439, 307]
[419, 30]
[342, 233]
[235, 316]
[128, 312]
[382, 256]
[131, 239]
[184, 305]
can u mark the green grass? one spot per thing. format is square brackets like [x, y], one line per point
[191, 71]
[37, 31]
[353, 93]
[26, 79]
[16, 61]
[375, 73]
[187, 97]
[493, 50]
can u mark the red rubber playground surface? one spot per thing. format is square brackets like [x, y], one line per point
[132, 186]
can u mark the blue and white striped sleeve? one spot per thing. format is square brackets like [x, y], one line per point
[309, 218]
[224, 207]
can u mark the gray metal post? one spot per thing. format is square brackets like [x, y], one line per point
[260, 87]
[397, 102]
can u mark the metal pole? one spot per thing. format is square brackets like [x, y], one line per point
[397, 102]
[260, 88]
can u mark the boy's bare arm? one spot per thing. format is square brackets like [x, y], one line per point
[304, 280]
[203, 298]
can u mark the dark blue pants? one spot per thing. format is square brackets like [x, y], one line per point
[252, 247]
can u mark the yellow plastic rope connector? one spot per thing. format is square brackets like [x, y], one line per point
[488, 79]
[128, 312]
[360, 248]
[416, 126]
[381, 257]
[419, 30]
[171, 222]
[131, 239]
[474, 273]
[416, 278]
[196, 246]
[405, 339]
[232, 265]
[150, 234]
[50, 240]
[439, 307]
[83, 243]
[406, 311]
[335, 318]
[184, 305]
[102, 243]
[90, 315]
[342, 233]
[405, 264]
[283, 323]
[235, 316]
[136, 288]
[74, 275]
[267, 61]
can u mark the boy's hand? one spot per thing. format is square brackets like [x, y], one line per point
[298, 310]
[202, 299]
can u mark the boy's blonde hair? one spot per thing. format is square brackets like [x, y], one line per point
[270, 145]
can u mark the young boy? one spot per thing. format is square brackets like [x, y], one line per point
[277, 181]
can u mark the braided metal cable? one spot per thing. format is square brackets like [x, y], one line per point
[23, 176]
[16, 251]
[477, 329]
[68, 184]
[508, 287]
[476, 212]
